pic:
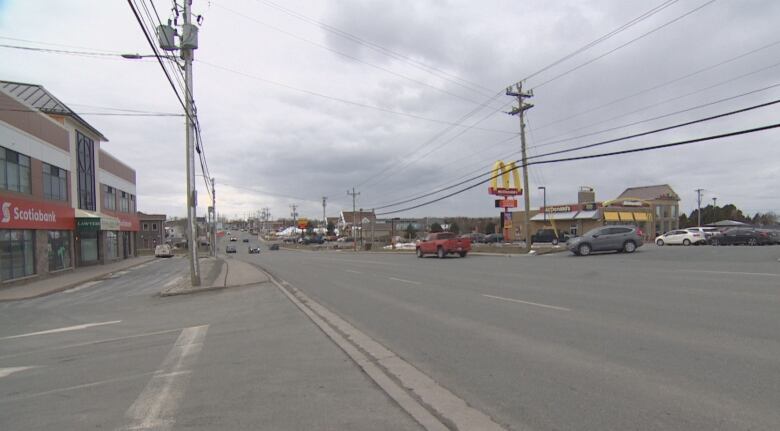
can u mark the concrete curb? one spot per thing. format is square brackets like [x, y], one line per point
[63, 288]
[176, 291]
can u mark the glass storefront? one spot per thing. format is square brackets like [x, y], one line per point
[88, 246]
[17, 253]
[59, 250]
[112, 245]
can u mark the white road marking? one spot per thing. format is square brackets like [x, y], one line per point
[91, 343]
[528, 303]
[174, 281]
[83, 286]
[155, 407]
[73, 388]
[65, 329]
[10, 370]
[764, 274]
[404, 281]
[354, 272]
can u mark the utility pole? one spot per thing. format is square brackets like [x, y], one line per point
[324, 217]
[714, 202]
[294, 215]
[188, 43]
[354, 216]
[519, 110]
[698, 204]
[213, 218]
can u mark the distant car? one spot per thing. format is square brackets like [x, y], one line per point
[742, 235]
[254, 249]
[345, 239]
[550, 236]
[681, 237]
[606, 238]
[163, 250]
[230, 249]
[274, 247]
[475, 237]
[708, 232]
[233, 239]
[245, 240]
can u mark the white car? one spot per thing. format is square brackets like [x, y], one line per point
[163, 250]
[681, 237]
[708, 232]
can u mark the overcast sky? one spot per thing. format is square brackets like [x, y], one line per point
[267, 80]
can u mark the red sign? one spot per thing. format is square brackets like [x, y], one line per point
[16, 213]
[128, 222]
[504, 191]
[506, 203]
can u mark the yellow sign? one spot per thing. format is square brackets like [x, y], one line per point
[510, 180]
[303, 223]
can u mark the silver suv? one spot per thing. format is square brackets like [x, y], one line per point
[606, 238]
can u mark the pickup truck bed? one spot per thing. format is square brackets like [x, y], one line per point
[442, 244]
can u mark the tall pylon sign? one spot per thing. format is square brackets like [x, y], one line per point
[505, 183]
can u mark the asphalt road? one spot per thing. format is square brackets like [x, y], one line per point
[115, 355]
[667, 338]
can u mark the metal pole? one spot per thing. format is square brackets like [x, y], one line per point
[213, 218]
[324, 218]
[544, 203]
[373, 222]
[698, 205]
[187, 55]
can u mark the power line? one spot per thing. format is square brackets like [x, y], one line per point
[663, 129]
[595, 42]
[594, 156]
[57, 44]
[661, 85]
[692, 108]
[642, 36]
[346, 101]
[60, 51]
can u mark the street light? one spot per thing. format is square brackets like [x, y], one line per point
[544, 204]
[136, 56]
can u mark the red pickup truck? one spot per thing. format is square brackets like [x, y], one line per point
[442, 244]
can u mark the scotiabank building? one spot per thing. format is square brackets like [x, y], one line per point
[64, 201]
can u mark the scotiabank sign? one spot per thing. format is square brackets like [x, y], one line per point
[128, 222]
[18, 213]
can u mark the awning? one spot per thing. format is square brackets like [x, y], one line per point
[569, 215]
[641, 216]
[88, 221]
[626, 216]
[588, 215]
[611, 216]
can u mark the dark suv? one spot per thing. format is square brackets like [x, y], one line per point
[742, 235]
[606, 238]
[549, 235]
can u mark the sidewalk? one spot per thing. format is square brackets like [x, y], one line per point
[219, 273]
[65, 281]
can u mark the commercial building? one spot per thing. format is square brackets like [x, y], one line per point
[151, 232]
[654, 209]
[55, 181]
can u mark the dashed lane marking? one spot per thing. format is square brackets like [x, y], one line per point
[10, 370]
[401, 280]
[553, 307]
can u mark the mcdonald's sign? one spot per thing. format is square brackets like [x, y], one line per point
[510, 180]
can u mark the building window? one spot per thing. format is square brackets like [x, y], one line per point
[112, 244]
[674, 210]
[146, 226]
[14, 171]
[154, 226]
[573, 229]
[109, 198]
[59, 250]
[55, 183]
[124, 202]
[85, 149]
[17, 253]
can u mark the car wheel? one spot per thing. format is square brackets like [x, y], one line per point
[629, 247]
[584, 249]
[419, 252]
[555, 241]
[752, 241]
[463, 253]
[659, 243]
[686, 242]
[440, 253]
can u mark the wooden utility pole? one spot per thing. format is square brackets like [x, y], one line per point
[354, 216]
[519, 110]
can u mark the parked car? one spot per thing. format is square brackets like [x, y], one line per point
[549, 235]
[607, 238]
[290, 239]
[163, 250]
[254, 249]
[273, 247]
[442, 244]
[230, 249]
[774, 236]
[708, 232]
[233, 239]
[742, 235]
[475, 237]
[245, 240]
[681, 237]
[345, 239]
[494, 237]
